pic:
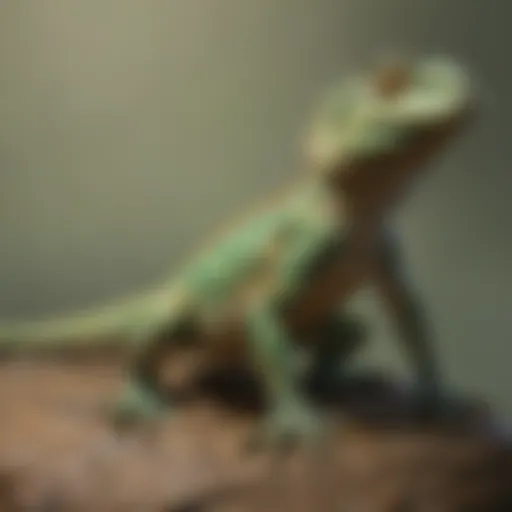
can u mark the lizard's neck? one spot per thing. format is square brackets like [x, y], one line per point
[360, 222]
[338, 208]
[322, 200]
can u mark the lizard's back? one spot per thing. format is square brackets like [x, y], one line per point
[236, 256]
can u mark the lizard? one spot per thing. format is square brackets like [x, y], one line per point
[276, 280]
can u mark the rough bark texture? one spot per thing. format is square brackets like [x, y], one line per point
[56, 453]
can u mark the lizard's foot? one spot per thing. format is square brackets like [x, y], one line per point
[432, 403]
[138, 404]
[287, 426]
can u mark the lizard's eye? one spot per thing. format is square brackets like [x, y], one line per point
[391, 80]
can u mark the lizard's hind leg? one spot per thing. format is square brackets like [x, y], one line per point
[334, 345]
[142, 397]
[145, 395]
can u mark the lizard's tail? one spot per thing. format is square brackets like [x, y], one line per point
[105, 326]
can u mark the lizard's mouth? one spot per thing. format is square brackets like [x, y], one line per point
[385, 176]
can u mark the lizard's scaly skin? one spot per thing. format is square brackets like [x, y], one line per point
[270, 273]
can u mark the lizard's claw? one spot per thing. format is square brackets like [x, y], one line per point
[286, 427]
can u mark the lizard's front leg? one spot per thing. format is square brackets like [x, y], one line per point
[290, 418]
[407, 312]
[333, 345]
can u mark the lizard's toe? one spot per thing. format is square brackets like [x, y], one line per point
[286, 428]
[136, 406]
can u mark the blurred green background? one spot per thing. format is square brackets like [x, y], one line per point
[130, 128]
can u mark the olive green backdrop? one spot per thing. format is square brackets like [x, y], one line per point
[129, 128]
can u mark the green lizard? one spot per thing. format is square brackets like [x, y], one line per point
[278, 277]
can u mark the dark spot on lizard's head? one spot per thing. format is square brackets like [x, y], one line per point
[391, 79]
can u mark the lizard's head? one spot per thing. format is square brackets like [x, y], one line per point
[372, 134]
